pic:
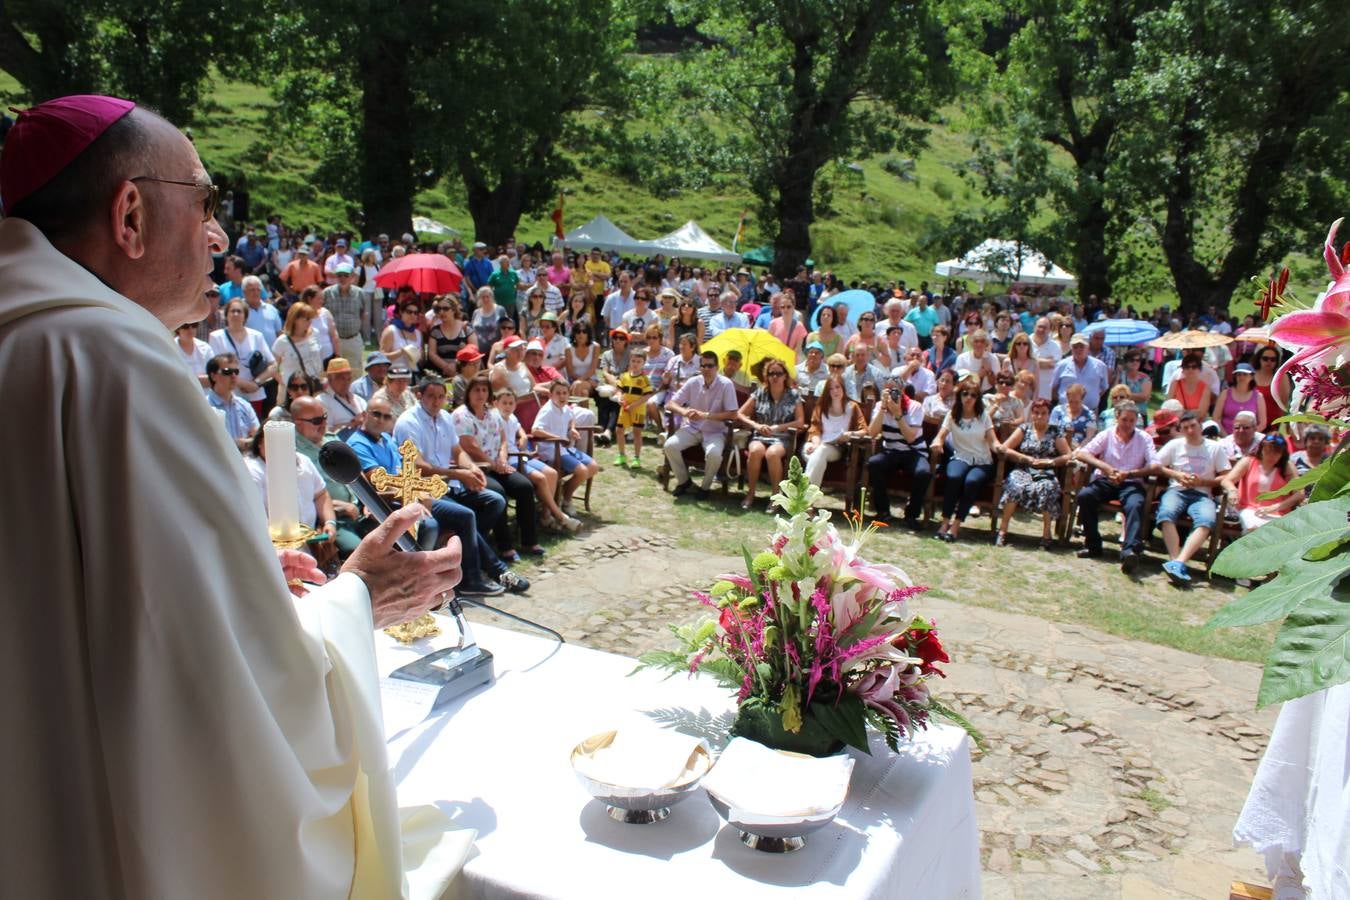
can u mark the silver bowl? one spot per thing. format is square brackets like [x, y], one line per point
[772, 834]
[638, 806]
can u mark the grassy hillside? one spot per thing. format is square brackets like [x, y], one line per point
[873, 229]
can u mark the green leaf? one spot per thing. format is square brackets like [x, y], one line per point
[937, 707]
[1311, 419]
[662, 659]
[1311, 651]
[1298, 581]
[1335, 480]
[1289, 537]
[1317, 554]
[844, 720]
[1312, 476]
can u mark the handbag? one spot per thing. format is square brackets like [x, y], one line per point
[256, 363]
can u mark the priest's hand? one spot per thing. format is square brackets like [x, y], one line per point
[403, 585]
[299, 567]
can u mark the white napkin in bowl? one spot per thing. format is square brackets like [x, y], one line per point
[643, 758]
[754, 778]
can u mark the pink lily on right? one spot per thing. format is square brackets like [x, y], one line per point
[1319, 338]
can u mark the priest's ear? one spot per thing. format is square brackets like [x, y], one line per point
[129, 220]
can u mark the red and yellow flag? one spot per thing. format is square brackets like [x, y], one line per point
[557, 217]
[740, 230]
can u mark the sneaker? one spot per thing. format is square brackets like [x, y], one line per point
[1088, 553]
[513, 582]
[569, 510]
[572, 524]
[483, 587]
[621, 461]
[634, 463]
[1176, 571]
[1129, 561]
[682, 488]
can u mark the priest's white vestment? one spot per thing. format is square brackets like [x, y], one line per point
[175, 724]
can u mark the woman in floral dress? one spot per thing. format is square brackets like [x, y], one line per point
[1037, 447]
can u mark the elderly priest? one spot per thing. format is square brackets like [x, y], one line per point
[176, 723]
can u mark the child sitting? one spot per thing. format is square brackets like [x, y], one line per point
[635, 389]
[557, 422]
[544, 479]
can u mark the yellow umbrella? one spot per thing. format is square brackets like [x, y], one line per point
[755, 345]
[1190, 340]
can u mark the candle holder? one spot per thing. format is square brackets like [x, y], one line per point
[304, 533]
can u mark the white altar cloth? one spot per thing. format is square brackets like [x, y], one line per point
[499, 761]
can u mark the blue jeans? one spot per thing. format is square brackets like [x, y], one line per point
[477, 559]
[965, 483]
[1131, 497]
[1194, 503]
[883, 466]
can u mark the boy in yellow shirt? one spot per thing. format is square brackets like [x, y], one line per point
[635, 389]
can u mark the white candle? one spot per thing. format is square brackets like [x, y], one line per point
[283, 497]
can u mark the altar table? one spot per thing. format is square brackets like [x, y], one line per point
[498, 760]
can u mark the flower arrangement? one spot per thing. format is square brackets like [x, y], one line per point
[1307, 547]
[818, 642]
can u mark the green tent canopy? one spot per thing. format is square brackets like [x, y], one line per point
[763, 256]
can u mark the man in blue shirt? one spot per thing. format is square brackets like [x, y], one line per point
[254, 253]
[241, 423]
[478, 268]
[374, 447]
[1080, 368]
[727, 317]
[924, 319]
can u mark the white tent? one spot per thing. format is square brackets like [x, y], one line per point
[996, 260]
[691, 241]
[601, 232]
[423, 225]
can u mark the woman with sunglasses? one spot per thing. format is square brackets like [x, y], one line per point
[1006, 409]
[297, 386]
[971, 465]
[773, 414]
[194, 352]
[686, 321]
[1241, 396]
[449, 334]
[1267, 362]
[1191, 388]
[1021, 358]
[1252, 476]
[1137, 380]
[402, 338]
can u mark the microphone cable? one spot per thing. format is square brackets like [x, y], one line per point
[471, 601]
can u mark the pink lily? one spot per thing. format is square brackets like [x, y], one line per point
[1319, 337]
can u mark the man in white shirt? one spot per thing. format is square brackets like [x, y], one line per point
[1047, 352]
[1194, 465]
[705, 403]
[1245, 439]
[917, 375]
[619, 302]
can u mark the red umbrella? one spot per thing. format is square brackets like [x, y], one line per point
[427, 273]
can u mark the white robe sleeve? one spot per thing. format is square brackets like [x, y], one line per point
[179, 729]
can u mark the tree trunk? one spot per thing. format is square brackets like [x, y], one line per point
[495, 212]
[1091, 256]
[387, 184]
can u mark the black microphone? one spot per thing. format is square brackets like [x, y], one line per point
[340, 463]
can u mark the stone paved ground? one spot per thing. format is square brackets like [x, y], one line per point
[1116, 768]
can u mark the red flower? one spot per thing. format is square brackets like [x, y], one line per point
[1273, 295]
[728, 621]
[924, 643]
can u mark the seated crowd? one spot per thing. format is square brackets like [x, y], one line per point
[505, 385]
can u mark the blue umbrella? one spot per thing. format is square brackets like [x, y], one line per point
[858, 302]
[1123, 332]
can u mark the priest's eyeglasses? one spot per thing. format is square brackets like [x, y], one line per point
[210, 203]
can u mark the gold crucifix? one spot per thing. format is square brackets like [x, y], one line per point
[409, 486]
